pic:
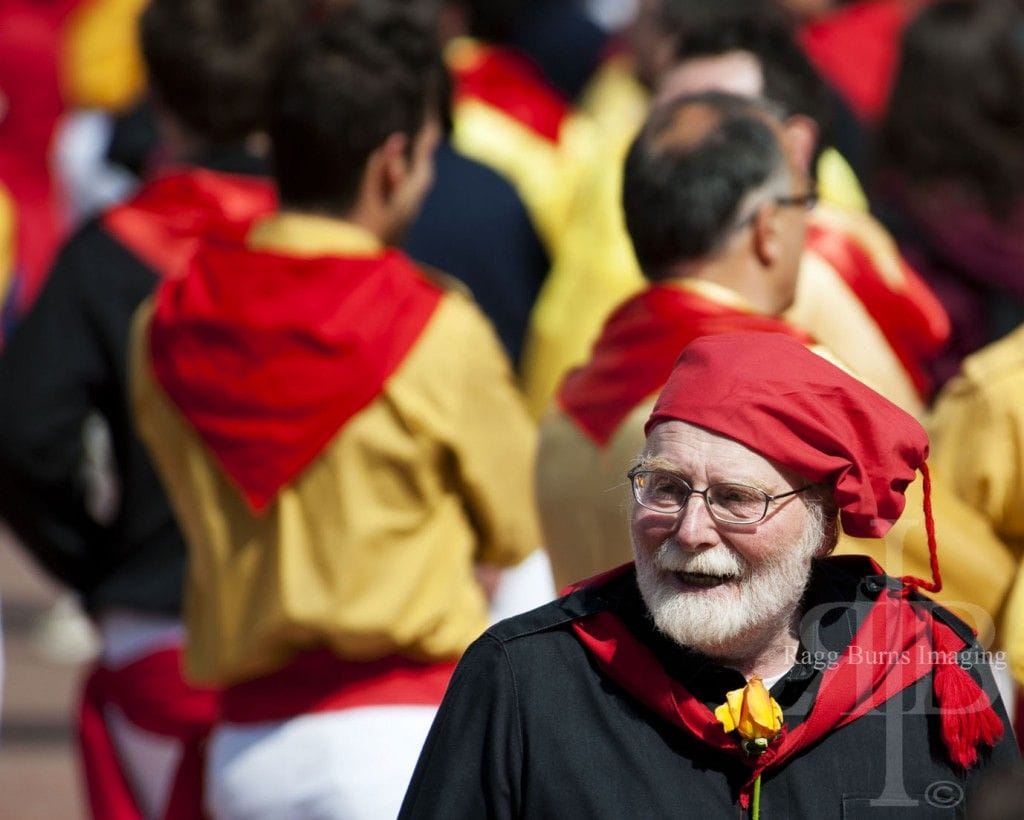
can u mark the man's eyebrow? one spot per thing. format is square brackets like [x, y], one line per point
[649, 462]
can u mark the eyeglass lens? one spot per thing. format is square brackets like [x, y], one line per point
[733, 503]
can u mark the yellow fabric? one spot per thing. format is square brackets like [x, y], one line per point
[583, 495]
[829, 310]
[976, 566]
[371, 550]
[614, 99]
[307, 236]
[544, 173]
[838, 184]
[977, 432]
[101, 60]
[595, 268]
[8, 241]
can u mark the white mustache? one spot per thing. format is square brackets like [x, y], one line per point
[718, 562]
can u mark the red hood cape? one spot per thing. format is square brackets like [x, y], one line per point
[163, 223]
[268, 356]
[636, 350]
[512, 84]
[848, 690]
[912, 319]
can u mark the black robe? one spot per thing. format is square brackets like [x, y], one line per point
[531, 727]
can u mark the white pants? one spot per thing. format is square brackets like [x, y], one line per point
[149, 761]
[349, 765]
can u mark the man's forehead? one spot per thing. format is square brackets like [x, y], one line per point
[679, 445]
[733, 72]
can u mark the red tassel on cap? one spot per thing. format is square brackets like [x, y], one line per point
[911, 581]
[965, 711]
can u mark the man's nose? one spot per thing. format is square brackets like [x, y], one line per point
[695, 528]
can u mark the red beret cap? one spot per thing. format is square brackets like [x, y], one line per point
[770, 393]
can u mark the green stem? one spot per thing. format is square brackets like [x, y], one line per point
[755, 809]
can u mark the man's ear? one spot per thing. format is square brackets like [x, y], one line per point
[765, 234]
[394, 157]
[801, 140]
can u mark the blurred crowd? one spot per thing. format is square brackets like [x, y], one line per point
[328, 330]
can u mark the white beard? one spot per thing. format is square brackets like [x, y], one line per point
[737, 619]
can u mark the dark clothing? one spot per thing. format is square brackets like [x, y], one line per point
[66, 360]
[970, 259]
[562, 40]
[531, 728]
[474, 226]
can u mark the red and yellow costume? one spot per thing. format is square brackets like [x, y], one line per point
[342, 440]
[509, 118]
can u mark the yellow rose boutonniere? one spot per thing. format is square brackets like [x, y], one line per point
[755, 716]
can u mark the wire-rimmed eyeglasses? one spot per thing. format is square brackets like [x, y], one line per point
[727, 503]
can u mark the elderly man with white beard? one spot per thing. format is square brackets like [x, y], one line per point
[734, 668]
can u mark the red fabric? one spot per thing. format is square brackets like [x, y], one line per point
[164, 222]
[912, 319]
[320, 681]
[773, 395]
[512, 84]
[153, 695]
[32, 107]
[638, 346]
[856, 48]
[851, 688]
[268, 356]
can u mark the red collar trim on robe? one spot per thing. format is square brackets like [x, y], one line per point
[162, 224]
[912, 319]
[894, 628]
[268, 356]
[509, 82]
[638, 346]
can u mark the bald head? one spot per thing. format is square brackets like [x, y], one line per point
[698, 170]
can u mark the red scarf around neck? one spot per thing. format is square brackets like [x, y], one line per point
[268, 356]
[894, 628]
[638, 346]
[163, 223]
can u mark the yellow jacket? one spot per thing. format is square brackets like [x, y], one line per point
[977, 431]
[371, 549]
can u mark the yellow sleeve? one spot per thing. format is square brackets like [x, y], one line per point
[976, 439]
[101, 61]
[469, 399]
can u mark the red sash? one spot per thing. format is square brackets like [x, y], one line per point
[912, 319]
[154, 696]
[268, 356]
[917, 643]
[639, 345]
[320, 681]
[163, 223]
[512, 84]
